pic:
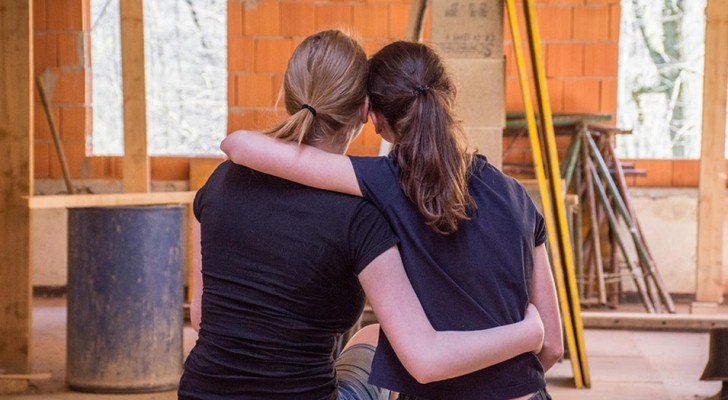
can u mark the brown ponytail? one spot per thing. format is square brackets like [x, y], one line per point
[323, 88]
[409, 86]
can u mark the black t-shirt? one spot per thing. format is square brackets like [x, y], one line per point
[476, 278]
[279, 264]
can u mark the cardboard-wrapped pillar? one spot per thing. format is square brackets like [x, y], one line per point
[469, 35]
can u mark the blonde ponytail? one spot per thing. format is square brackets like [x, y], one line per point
[323, 88]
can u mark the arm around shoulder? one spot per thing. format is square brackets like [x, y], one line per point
[543, 296]
[299, 163]
[430, 355]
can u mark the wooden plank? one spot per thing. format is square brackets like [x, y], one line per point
[711, 187]
[642, 321]
[54, 133]
[16, 169]
[36, 376]
[136, 169]
[110, 200]
[543, 186]
[557, 194]
[594, 221]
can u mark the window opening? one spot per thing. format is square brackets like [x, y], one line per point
[185, 54]
[661, 53]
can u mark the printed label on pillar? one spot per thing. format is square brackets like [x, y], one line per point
[468, 29]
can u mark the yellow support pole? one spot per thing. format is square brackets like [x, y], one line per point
[555, 182]
[544, 193]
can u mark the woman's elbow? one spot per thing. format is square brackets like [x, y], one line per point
[428, 370]
[226, 144]
[551, 353]
[195, 318]
[424, 375]
[232, 143]
[423, 370]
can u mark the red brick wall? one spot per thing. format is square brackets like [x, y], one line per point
[262, 36]
[579, 37]
[61, 56]
[666, 173]
[580, 46]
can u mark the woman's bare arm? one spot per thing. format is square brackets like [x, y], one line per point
[295, 162]
[543, 295]
[196, 302]
[429, 355]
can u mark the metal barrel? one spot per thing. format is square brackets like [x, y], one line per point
[125, 294]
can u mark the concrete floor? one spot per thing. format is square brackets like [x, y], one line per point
[624, 364]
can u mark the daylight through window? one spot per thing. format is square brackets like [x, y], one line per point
[186, 76]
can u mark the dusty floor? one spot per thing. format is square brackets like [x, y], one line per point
[624, 364]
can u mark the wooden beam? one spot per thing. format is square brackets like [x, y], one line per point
[16, 172]
[643, 321]
[110, 200]
[136, 162]
[36, 376]
[416, 20]
[711, 187]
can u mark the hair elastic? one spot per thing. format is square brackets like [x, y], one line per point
[420, 90]
[309, 108]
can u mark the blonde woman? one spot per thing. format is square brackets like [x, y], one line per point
[285, 267]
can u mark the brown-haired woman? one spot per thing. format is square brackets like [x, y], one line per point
[472, 241]
[283, 266]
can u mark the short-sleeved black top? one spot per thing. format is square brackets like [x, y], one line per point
[475, 278]
[279, 264]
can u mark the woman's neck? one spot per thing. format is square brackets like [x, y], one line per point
[336, 148]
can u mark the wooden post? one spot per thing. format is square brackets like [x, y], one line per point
[136, 163]
[416, 20]
[711, 188]
[16, 171]
[469, 36]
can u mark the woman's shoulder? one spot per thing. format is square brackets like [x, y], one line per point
[378, 179]
[482, 168]
[373, 162]
[375, 170]
[489, 173]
